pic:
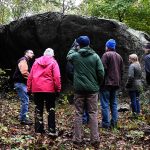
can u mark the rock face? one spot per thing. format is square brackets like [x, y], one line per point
[58, 31]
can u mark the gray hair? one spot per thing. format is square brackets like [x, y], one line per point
[49, 52]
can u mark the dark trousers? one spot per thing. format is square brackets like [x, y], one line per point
[91, 101]
[49, 100]
[148, 78]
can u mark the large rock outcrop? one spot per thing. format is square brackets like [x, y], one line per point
[58, 31]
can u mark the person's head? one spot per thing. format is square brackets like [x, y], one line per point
[83, 41]
[49, 52]
[110, 45]
[29, 54]
[133, 58]
[147, 48]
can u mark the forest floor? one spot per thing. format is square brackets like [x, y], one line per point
[131, 134]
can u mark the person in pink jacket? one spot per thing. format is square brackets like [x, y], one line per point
[44, 82]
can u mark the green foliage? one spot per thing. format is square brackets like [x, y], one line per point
[134, 13]
[16, 9]
[135, 134]
[2, 78]
[63, 6]
[3, 128]
[4, 12]
[2, 72]
[144, 97]
[63, 99]
[114, 9]
[138, 16]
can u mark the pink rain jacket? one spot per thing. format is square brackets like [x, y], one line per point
[44, 76]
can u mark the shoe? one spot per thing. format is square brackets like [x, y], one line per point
[103, 126]
[42, 131]
[77, 145]
[26, 122]
[135, 115]
[114, 125]
[52, 134]
[95, 145]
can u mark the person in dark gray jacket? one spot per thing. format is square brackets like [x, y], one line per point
[134, 83]
[147, 62]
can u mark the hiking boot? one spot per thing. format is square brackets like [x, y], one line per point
[113, 125]
[52, 134]
[26, 122]
[40, 131]
[135, 115]
[103, 126]
[77, 145]
[95, 145]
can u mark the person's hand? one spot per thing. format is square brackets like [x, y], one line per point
[75, 45]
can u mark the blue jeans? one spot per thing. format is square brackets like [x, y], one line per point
[109, 103]
[135, 105]
[21, 89]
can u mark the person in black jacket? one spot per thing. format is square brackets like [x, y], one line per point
[147, 62]
[20, 84]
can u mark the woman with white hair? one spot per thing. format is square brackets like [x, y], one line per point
[134, 83]
[44, 82]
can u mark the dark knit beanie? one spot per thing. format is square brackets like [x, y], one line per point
[83, 40]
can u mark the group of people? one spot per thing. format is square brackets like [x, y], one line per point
[92, 76]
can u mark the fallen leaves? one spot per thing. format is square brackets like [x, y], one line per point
[131, 133]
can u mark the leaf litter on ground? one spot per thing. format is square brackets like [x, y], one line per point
[131, 133]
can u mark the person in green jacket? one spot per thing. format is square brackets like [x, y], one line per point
[88, 75]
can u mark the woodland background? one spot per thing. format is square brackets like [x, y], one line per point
[135, 13]
[132, 133]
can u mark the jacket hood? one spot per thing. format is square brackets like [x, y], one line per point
[44, 61]
[86, 51]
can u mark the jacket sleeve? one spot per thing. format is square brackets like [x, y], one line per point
[71, 54]
[105, 61]
[100, 70]
[130, 80]
[56, 77]
[23, 67]
[131, 71]
[121, 69]
[29, 80]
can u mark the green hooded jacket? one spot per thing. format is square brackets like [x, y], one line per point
[88, 69]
